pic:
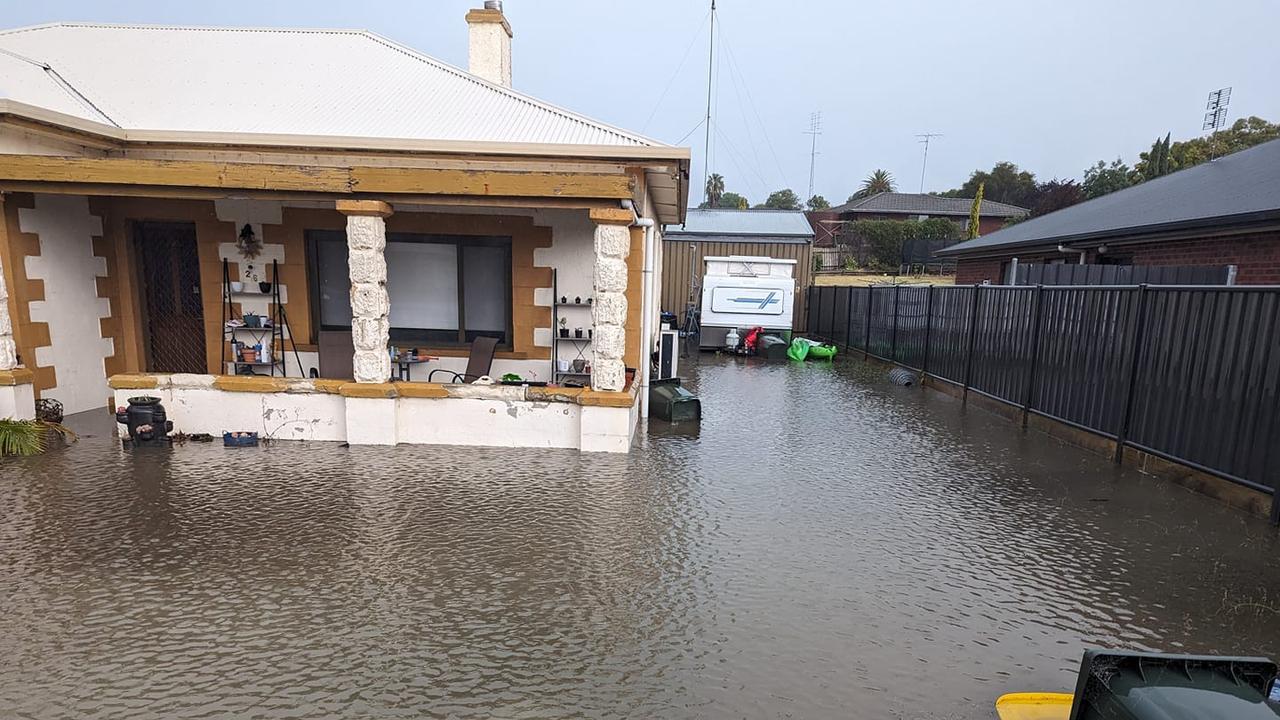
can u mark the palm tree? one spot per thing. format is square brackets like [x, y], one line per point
[714, 189]
[877, 182]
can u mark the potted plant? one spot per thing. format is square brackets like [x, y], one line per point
[577, 332]
[588, 301]
[564, 327]
[577, 300]
[589, 332]
[564, 300]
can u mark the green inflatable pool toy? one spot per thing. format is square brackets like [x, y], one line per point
[804, 348]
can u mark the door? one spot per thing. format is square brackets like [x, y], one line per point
[169, 270]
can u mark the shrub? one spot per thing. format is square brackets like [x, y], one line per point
[28, 437]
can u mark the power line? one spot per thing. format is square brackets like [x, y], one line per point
[925, 138]
[815, 129]
[711, 63]
[736, 70]
[671, 81]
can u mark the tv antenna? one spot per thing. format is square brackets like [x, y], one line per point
[1216, 117]
[815, 129]
[925, 138]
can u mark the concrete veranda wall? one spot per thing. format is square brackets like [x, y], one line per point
[390, 414]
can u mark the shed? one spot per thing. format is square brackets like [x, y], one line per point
[782, 234]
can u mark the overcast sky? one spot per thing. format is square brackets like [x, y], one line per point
[1051, 86]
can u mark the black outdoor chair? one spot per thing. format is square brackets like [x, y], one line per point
[479, 362]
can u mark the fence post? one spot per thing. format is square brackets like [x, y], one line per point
[973, 339]
[893, 335]
[1035, 353]
[1139, 332]
[928, 331]
[848, 321]
[866, 342]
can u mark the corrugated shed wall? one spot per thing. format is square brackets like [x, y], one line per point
[682, 265]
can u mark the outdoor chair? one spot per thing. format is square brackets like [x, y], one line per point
[479, 362]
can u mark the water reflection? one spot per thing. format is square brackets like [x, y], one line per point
[826, 544]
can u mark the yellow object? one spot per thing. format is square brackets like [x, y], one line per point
[1034, 706]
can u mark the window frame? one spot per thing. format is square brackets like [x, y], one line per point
[405, 336]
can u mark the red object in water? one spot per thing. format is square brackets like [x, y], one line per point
[752, 337]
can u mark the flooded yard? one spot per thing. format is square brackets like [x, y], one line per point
[828, 545]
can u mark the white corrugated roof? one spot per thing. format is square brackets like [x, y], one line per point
[765, 222]
[349, 83]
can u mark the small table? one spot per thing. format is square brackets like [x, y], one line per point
[405, 364]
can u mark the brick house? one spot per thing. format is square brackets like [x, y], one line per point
[908, 206]
[1225, 212]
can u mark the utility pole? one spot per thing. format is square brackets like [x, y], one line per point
[711, 63]
[925, 138]
[815, 129]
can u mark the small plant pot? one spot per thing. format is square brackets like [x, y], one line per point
[249, 356]
[564, 332]
[577, 332]
[588, 301]
[564, 300]
[265, 287]
[589, 332]
[237, 286]
[577, 300]
[579, 365]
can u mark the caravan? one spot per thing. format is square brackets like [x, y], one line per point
[742, 292]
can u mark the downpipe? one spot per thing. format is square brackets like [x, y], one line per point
[646, 313]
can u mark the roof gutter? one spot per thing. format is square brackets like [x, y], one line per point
[1222, 225]
[642, 153]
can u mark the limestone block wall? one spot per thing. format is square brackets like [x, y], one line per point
[69, 271]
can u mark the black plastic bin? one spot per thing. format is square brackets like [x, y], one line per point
[1151, 686]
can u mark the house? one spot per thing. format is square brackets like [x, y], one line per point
[1224, 212]
[162, 185]
[782, 234]
[909, 206]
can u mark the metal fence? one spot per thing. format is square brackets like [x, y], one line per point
[1073, 274]
[1187, 373]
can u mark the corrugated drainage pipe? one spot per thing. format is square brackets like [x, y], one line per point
[902, 376]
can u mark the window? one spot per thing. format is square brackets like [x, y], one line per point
[444, 289]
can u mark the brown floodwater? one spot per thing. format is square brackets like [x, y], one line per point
[827, 545]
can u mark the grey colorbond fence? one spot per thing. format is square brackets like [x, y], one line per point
[1187, 373]
[1069, 274]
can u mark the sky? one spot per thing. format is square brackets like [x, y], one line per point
[1051, 86]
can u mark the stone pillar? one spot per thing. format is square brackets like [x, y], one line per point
[609, 312]
[8, 350]
[370, 305]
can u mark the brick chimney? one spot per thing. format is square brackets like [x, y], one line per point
[489, 53]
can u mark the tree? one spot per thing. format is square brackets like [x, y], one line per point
[1055, 195]
[1243, 134]
[1005, 183]
[734, 200]
[975, 214]
[714, 190]
[817, 202]
[880, 181]
[1102, 178]
[785, 199]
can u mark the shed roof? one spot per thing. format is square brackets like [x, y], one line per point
[746, 225]
[922, 204]
[349, 83]
[1241, 188]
